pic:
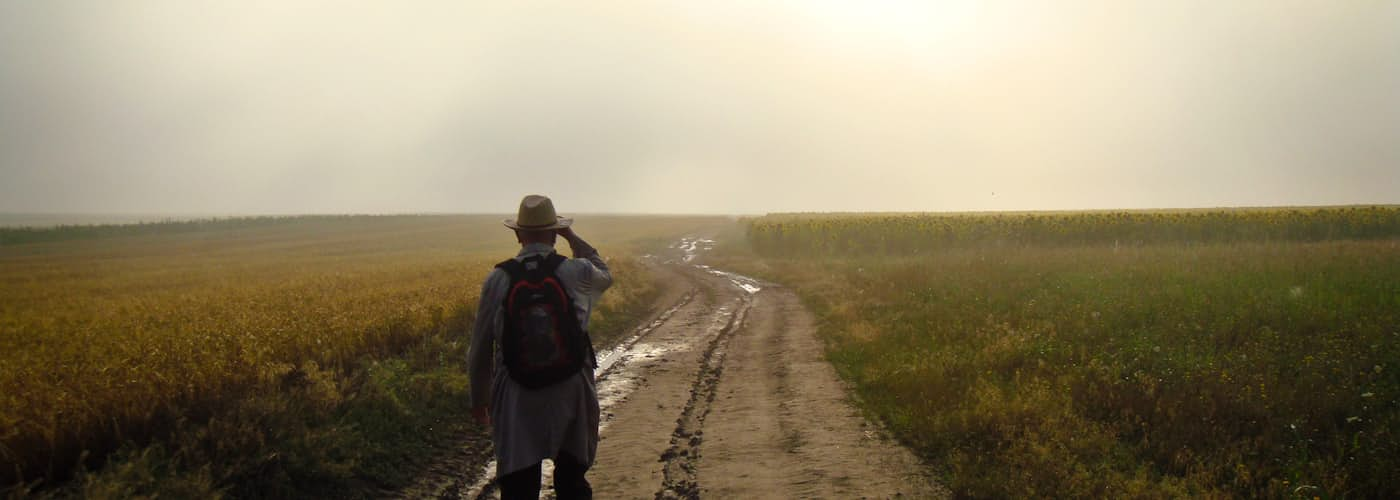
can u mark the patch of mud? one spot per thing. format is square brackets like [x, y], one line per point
[624, 350]
[679, 471]
[640, 427]
[692, 247]
[620, 383]
[745, 283]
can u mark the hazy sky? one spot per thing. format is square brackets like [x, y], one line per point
[721, 107]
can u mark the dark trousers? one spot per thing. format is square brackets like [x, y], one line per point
[569, 482]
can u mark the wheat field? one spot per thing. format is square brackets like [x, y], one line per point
[123, 338]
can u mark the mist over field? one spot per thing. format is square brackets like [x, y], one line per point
[163, 107]
[953, 248]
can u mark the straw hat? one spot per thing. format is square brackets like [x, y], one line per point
[537, 214]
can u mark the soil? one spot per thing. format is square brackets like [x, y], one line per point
[723, 393]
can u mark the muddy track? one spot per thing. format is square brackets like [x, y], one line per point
[725, 393]
[782, 424]
[679, 470]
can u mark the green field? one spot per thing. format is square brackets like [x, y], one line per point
[1100, 354]
[281, 356]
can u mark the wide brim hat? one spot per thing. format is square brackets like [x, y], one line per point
[537, 214]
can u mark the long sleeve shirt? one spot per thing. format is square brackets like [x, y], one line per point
[531, 425]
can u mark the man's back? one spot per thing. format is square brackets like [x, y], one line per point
[557, 421]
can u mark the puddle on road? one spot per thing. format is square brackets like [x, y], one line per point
[744, 283]
[615, 385]
[621, 383]
[690, 247]
[608, 357]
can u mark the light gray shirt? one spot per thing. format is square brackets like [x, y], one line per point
[529, 425]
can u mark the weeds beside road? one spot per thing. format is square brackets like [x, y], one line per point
[1165, 369]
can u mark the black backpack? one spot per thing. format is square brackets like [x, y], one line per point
[542, 343]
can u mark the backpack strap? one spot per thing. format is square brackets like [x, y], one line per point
[517, 269]
[552, 261]
[513, 268]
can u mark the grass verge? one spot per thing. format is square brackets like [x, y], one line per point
[1155, 371]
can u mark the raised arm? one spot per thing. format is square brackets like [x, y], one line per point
[594, 279]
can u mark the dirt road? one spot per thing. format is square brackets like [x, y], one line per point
[725, 394]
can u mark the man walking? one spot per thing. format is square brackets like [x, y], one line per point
[537, 389]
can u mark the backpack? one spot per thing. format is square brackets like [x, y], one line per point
[542, 343]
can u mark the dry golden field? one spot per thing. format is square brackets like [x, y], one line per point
[153, 340]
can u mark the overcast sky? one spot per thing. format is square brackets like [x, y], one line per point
[695, 107]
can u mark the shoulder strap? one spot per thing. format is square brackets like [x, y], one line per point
[547, 264]
[552, 262]
[513, 268]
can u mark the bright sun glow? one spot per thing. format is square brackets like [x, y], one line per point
[938, 35]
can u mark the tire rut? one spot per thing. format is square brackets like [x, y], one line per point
[679, 478]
